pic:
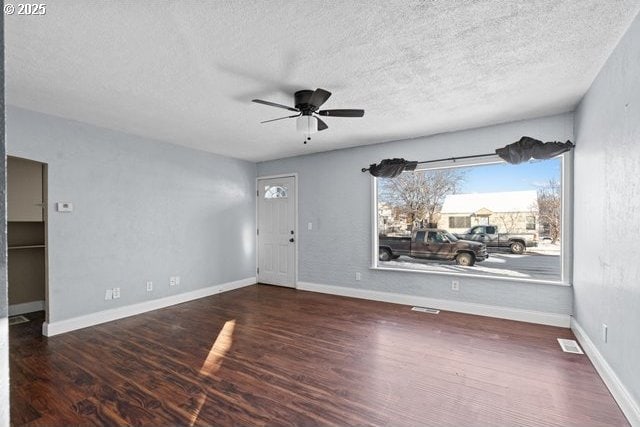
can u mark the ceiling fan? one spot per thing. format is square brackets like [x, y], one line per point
[307, 106]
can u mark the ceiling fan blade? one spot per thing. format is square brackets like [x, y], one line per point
[273, 104]
[280, 118]
[321, 125]
[319, 97]
[342, 113]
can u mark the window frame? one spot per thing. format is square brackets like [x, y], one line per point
[566, 241]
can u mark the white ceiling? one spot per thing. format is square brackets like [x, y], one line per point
[185, 71]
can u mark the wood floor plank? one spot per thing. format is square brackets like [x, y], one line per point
[264, 355]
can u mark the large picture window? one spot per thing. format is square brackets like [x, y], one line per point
[496, 220]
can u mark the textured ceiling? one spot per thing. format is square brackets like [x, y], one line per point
[185, 71]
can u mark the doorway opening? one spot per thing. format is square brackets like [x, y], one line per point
[27, 240]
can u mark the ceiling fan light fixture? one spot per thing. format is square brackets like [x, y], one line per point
[307, 124]
[307, 105]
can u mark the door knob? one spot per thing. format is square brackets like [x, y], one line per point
[292, 240]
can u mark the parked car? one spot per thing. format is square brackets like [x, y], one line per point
[432, 243]
[488, 234]
[545, 238]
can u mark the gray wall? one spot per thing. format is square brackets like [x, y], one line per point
[336, 197]
[143, 210]
[607, 210]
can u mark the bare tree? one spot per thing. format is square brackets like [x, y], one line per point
[420, 195]
[550, 208]
[510, 221]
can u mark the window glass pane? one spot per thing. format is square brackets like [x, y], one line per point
[275, 192]
[509, 215]
[531, 223]
[459, 222]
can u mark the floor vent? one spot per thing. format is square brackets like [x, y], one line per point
[570, 346]
[16, 320]
[425, 310]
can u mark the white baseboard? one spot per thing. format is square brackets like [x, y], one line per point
[26, 307]
[531, 316]
[629, 406]
[67, 325]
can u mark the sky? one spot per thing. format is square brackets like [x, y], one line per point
[506, 177]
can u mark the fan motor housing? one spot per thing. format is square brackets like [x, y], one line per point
[301, 99]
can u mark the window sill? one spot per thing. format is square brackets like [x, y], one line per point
[476, 276]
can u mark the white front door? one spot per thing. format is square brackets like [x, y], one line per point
[276, 231]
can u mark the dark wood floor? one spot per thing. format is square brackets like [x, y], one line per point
[264, 355]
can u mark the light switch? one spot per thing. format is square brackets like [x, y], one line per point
[310, 226]
[64, 207]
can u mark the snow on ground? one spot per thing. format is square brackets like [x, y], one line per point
[451, 267]
[545, 248]
[504, 264]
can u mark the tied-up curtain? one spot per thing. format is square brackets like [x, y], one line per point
[391, 168]
[529, 148]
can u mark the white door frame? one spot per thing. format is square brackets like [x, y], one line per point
[293, 175]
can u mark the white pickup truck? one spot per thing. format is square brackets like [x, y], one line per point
[488, 234]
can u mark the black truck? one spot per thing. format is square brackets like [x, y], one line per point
[432, 243]
[488, 234]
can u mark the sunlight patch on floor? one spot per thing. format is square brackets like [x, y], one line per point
[214, 359]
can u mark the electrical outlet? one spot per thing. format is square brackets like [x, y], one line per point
[455, 285]
[149, 286]
[172, 281]
[358, 276]
[108, 294]
[604, 332]
[116, 293]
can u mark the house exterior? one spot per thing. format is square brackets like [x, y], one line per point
[510, 211]
[392, 222]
